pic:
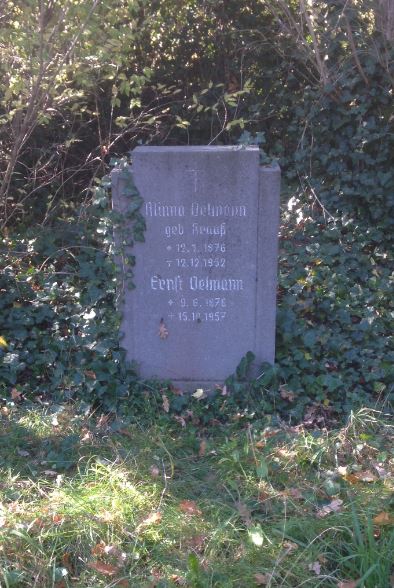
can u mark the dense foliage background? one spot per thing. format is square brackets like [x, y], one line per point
[83, 82]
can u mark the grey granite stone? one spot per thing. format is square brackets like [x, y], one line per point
[206, 275]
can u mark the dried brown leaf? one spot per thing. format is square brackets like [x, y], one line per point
[103, 421]
[366, 476]
[334, 506]
[166, 403]
[50, 473]
[180, 420]
[154, 471]
[348, 584]
[103, 568]
[202, 449]
[352, 478]
[286, 394]
[262, 579]
[293, 493]
[197, 542]
[189, 507]
[315, 567]
[99, 549]
[163, 331]
[153, 519]
[57, 519]
[178, 580]
[22, 452]
[384, 518]
[244, 513]
[16, 395]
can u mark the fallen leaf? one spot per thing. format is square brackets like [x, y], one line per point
[127, 433]
[256, 536]
[2, 522]
[286, 394]
[67, 563]
[153, 519]
[366, 476]
[244, 513]
[23, 452]
[99, 549]
[202, 449]
[384, 518]
[290, 546]
[189, 507]
[263, 496]
[315, 567]
[199, 394]
[295, 493]
[262, 579]
[381, 471]
[178, 580]
[50, 473]
[87, 435]
[5, 411]
[334, 506]
[90, 374]
[103, 568]
[103, 421]
[260, 444]
[57, 519]
[166, 403]
[3, 342]
[348, 584]
[270, 433]
[180, 420]
[154, 471]
[352, 478]
[106, 516]
[15, 394]
[177, 391]
[163, 331]
[196, 542]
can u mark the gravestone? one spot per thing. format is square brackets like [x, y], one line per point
[205, 276]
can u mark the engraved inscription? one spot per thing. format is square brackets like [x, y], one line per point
[194, 268]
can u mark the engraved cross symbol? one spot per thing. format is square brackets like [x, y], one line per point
[195, 177]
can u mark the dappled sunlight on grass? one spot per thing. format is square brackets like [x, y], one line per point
[151, 507]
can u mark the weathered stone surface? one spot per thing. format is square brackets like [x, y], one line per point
[206, 275]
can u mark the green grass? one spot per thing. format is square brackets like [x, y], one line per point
[87, 502]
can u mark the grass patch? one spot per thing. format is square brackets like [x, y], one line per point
[88, 501]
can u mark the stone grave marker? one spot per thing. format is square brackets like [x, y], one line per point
[205, 276]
